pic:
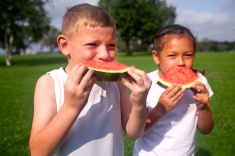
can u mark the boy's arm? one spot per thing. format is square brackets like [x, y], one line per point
[133, 108]
[133, 117]
[49, 126]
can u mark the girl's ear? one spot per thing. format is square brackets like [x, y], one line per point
[62, 42]
[156, 57]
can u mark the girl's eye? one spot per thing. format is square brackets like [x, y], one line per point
[189, 55]
[92, 44]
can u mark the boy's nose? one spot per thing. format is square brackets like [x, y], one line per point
[104, 55]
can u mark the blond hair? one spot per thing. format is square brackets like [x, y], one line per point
[86, 14]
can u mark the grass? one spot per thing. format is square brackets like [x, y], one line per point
[17, 88]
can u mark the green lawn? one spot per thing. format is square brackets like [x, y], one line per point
[17, 89]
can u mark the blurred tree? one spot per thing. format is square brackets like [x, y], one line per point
[207, 45]
[154, 15]
[21, 22]
[139, 19]
[50, 39]
[106, 4]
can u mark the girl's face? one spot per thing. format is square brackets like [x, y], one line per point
[176, 52]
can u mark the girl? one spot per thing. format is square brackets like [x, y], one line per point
[174, 113]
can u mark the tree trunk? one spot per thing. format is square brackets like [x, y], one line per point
[8, 48]
[149, 49]
[129, 52]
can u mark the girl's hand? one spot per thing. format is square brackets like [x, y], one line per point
[77, 87]
[169, 98]
[139, 84]
[201, 95]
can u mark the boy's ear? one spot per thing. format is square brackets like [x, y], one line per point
[156, 57]
[63, 44]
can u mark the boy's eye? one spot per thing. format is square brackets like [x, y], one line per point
[112, 45]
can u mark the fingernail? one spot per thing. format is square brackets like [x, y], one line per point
[132, 66]
[123, 81]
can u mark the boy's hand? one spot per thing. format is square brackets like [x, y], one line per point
[170, 97]
[139, 85]
[77, 87]
[201, 95]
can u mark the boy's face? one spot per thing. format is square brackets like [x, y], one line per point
[98, 43]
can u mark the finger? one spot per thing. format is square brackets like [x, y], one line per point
[199, 86]
[131, 79]
[168, 89]
[87, 80]
[178, 96]
[175, 90]
[137, 78]
[70, 80]
[196, 98]
[73, 70]
[90, 84]
[194, 91]
[128, 84]
[171, 90]
[140, 73]
[77, 76]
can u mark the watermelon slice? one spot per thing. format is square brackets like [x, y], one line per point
[107, 71]
[184, 76]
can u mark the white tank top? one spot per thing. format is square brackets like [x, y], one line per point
[97, 130]
[174, 134]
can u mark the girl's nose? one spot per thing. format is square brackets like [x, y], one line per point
[181, 62]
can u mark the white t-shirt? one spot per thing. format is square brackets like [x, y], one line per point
[174, 134]
[97, 130]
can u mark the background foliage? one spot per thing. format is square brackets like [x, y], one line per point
[22, 23]
[138, 20]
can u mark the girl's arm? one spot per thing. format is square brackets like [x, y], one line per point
[49, 127]
[167, 101]
[133, 108]
[205, 119]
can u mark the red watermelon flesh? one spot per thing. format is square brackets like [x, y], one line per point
[107, 71]
[184, 76]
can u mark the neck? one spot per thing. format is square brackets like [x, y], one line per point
[160, 73]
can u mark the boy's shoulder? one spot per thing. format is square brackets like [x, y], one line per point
[57, 74]
[57, 71]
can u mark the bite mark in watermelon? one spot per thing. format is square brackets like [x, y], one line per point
[107, 71]
[184, 76]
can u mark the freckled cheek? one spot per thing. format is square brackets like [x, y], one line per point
[85, 56]
[189, 63]
[113, 55]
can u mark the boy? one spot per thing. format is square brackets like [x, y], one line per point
[77, 115]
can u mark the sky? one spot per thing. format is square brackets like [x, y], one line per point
[207, 19]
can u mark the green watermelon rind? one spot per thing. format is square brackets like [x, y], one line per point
[108, 76]
[185, 86]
